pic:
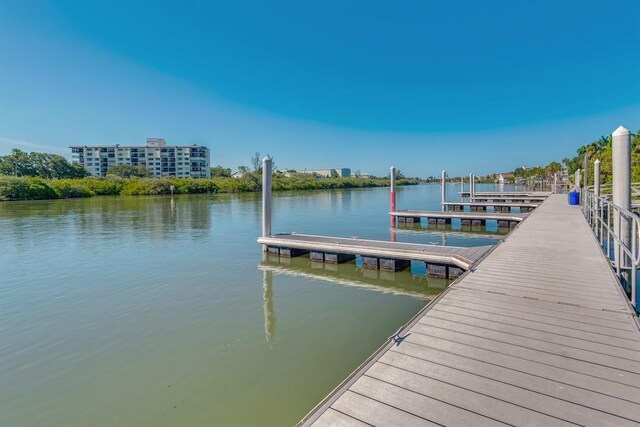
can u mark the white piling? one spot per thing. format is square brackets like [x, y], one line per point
[444, 189]
[621, 147]
[472, 186]
[555, 182]
[392, 193]
[266, 196]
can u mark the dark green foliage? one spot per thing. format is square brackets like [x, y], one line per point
[220, 171]
[42, 165]
[24, 188]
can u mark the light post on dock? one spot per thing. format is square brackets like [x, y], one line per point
[266, 196]
[621, 153]
[472, 186]
[444, 189]
[392, 193]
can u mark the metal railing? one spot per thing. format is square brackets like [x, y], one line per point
[618, 232]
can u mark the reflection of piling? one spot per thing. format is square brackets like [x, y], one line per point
[266, 196]
[267, 305]
[392, 194]
[621, 147]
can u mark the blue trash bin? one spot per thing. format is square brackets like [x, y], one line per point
[574, 198]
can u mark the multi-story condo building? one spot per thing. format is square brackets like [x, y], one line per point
[159, 158]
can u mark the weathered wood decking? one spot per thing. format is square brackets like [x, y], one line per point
[446, 255]
[539, 333]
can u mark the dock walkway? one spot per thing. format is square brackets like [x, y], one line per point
[538, 333]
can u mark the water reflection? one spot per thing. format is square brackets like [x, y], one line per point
[155, 218]
[412, 282]
[267, 305]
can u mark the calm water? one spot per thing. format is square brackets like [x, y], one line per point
[162, 311]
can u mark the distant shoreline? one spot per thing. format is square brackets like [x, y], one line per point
[33, 188]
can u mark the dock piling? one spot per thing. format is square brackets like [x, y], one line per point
[621, 147]
[392, 193]
[444, 189]
[266, 196]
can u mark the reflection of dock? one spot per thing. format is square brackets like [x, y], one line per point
[375, 254]
[398, 283]
[466, 218]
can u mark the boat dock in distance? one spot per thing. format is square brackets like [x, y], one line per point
[441, 261]
[476, 218]
[497, 206]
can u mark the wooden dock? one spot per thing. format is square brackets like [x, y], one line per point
[538, 333]
[441, 261]
[466, 218]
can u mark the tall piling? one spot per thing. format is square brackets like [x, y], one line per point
[621, 154]
[392, 194]
[266, 196]
[443, 189]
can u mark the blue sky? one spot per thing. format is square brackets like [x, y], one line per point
[461, 85]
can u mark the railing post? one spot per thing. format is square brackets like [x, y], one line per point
[555, 183]
[443, 189]
[596, 194]
[392, 194]
[621, 148]
[266, 196]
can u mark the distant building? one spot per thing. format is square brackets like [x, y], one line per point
[160, 159]
[505, 177]
[342, 172]
[237, 175]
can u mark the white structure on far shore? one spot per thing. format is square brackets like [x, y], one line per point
[341, 172]
[160, 159]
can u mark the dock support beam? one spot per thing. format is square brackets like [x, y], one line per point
[392, 194]
[443, 189]
[621, 147]
[266, 196]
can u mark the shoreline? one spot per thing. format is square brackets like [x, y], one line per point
[33, 188]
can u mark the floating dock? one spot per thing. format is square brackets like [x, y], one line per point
[497, 206]
[539, 333]
[478, 218]
[544, 194]
[442, 261]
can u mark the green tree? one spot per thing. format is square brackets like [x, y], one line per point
[220, 171]
[43, 165]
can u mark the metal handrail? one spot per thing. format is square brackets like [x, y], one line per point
[609, 222]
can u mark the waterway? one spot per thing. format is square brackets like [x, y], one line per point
[162, 311]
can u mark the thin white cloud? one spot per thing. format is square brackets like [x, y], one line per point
[7, 144]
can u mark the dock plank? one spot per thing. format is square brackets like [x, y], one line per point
[537, 333]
